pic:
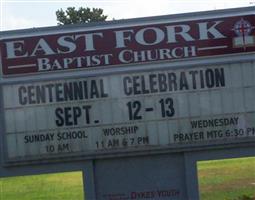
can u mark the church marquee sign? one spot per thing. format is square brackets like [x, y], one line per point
[113, 46]
[77, 114]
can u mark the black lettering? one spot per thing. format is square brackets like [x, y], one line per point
[59, 92]
[76, 114]
[87, 109]
[172, 82]
[202, 79]
[219, 77]
[22, 97]
[93, 89]
[209, 78]
[68, 91]
[103, 93]
[167, 107]
[77, 90]
[50, 92]
[194, 124]
[68, 116]
[26, 140]
[193, 75]
[183, 81]
[31, 94]
[127, 88]
[136, 85]
[134, 109]
[162, 82]
[40, 94]
[143, 85]
[153, 83]
[60, 120]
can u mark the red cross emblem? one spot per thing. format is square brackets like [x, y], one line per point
[243, 29]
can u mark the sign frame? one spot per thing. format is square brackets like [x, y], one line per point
[114, 153]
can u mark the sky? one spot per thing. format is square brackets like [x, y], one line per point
[21, 14]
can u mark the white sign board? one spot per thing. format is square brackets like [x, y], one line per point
[130, 111]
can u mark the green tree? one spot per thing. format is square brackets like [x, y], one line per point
[81, 15]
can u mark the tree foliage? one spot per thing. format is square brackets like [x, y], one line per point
[81, 15]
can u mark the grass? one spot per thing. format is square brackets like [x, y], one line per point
[62, 186]
[226, 179]
[218, 180]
